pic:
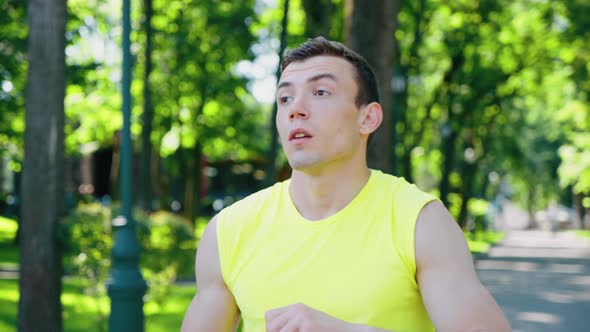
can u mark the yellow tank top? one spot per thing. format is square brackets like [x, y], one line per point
[357, 265]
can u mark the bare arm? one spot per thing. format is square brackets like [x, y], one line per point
[213, 308]
[299, 317]
[451, 291]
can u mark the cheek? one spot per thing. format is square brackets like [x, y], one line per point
[279, 124]
[346, 125]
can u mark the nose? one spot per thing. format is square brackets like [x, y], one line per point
[298, 109]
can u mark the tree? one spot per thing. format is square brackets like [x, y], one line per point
[200, 105]
[195, 47]
[371, 34]
[12, 72]
[474, 97]
[574, 117]
[42, 184]
[13, 65]
[318, 17]
[271, 173]
[145, 162]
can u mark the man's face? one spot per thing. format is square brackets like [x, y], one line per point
[317, 119]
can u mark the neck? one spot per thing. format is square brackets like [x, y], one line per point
[318, 195]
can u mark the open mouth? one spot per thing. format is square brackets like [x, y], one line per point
[298, 135]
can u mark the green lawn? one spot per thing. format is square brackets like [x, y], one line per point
[82, 312]
[7, 229]
[8, 304]
[583, 233]
[9, 255]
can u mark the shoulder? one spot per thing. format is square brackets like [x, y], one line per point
[407, 193]
[405, 201]
[401, 190]
[245, 214]
[254, 202]
[207, 259]
[243, 210]
[237, 226]
[439, 240]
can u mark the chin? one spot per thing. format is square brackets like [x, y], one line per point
[302, 163]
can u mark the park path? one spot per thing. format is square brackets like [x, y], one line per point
[541, 280]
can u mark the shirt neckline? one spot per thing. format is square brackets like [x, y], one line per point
[340, 214]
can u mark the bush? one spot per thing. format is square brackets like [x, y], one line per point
[87, 241]
[167, 249]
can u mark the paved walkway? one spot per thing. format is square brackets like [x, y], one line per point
[541, 280]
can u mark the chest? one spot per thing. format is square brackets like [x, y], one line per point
[353, 273]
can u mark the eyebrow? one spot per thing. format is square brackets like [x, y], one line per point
[311, 79]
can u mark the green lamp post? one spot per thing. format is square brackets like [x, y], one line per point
[125, 285]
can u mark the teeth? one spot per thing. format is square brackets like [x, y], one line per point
[299, 135]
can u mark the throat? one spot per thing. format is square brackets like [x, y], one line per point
[316, 200]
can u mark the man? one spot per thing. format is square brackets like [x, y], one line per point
[338, 247]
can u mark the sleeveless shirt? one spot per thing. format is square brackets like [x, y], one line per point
[357, 265]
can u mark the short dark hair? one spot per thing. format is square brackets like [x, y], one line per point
[368, 88]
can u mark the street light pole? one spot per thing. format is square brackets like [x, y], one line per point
[125, 285]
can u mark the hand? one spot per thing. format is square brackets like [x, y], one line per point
[301, 318]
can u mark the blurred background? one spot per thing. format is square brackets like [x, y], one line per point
[487, 107]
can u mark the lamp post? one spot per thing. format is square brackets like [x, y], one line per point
[125, 285]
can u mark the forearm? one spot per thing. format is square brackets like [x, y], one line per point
[207, 314]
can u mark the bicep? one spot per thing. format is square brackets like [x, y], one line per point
[213, 308]
[451, 291]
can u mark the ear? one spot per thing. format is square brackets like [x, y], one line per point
[370, 118]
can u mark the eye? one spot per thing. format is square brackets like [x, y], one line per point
[283, 99]
[321, 93]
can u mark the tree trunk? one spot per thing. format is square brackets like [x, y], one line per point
[579, 208]
[145, 177]
[198, 174]
[42, 182]
[192, 197]
[421, 16]
[401, 164]
[114, 172]
[531, 198]
[192, 194]
[318, 14]
[377, 19]
[163, 179]
[449, 134]
[586, 219]
[17, 206]
[469, 170]
[271, 169]
[448, 152]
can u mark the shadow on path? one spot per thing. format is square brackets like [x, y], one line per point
[541, 280]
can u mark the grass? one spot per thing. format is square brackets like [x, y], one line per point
[82, 312]
[583, 234]
[481, 242]
[9, 254]
[8, 229]
[8, 304]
